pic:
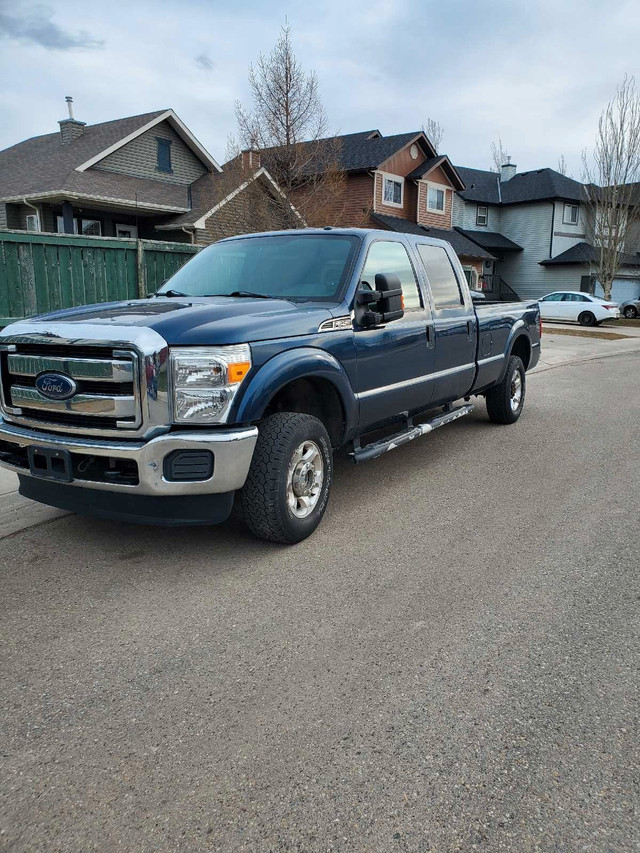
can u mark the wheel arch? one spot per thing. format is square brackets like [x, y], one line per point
[306, 380]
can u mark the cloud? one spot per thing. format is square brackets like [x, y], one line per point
[204, 62]
[38, 28]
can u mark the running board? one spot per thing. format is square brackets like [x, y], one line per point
[377, 448]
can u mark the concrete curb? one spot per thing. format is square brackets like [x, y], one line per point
[544, 367]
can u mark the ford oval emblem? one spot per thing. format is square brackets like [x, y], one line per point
[56, 386]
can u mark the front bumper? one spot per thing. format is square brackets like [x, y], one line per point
[232, 450]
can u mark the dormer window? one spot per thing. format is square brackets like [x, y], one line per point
[570, 214]
[482, 214]
[435, 198]
[392, 191]
[164, 155]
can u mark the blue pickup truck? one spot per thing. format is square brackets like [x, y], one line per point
[239, 378]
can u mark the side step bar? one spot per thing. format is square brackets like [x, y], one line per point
[377, 448]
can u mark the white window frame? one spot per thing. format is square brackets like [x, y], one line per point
[386, 176]
[81, 227]
[566, 219]
[125, 227]
[474, 283]
[60, 222]
[436, 210]
[485, 214]
[33, 217]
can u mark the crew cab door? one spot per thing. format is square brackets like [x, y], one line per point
[455, 326]
[394, 360]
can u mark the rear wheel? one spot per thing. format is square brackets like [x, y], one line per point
[587, 319]
[506, 401]
[287, 490]
[630, 312]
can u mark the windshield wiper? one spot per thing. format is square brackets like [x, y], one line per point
[171, 293]
[250, 293]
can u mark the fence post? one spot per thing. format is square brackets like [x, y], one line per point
[142, 284]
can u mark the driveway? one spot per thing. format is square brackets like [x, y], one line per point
[450, 663]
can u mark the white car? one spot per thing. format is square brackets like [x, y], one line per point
[572, 306]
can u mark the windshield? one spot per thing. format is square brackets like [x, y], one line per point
[297, 267]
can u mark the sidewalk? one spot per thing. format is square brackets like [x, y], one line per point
[16, 512]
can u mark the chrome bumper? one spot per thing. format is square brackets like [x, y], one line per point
[232, 450]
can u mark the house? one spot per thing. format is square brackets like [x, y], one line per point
[535, 225]
[142, 176]
[396, 183]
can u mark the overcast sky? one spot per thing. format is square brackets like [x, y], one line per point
[534, 73]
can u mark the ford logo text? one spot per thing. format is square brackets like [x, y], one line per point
[56, 386]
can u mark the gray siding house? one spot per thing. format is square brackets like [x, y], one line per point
[535, 226]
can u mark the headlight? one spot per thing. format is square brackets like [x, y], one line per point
[205, 381]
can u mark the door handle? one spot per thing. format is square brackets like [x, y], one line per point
[469, 328]
[430, 336]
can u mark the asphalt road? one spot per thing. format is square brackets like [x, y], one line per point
[450, 663]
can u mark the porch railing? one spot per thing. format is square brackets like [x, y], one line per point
[496, 288]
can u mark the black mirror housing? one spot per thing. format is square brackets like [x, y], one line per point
[385, 301]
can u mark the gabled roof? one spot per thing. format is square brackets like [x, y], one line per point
[491, 240]
[442, 161]
[353, 152]
[42, 166]
[585, 253]
[460, 244]
[537, 185]
[212, 191]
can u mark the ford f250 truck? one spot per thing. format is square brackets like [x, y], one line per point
[247, 369]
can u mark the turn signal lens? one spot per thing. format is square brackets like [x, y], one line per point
[237, 371]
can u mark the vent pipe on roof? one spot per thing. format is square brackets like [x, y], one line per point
[507, 170]
[70, 128]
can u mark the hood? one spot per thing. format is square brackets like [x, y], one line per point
[203, 321]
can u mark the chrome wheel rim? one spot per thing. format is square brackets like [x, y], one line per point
[305, 479]
[515, 397]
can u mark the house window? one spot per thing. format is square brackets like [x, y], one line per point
[435, 199]
[471, 275]
[88, 227]
[482, 214]
[60, 225]
[33, 222]
[392, 192]
[570, 214]
[91, 227]
[164, 155]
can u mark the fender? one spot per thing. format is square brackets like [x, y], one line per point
[516, 332]
[283, 369]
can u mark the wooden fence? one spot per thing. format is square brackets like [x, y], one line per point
[44, 272]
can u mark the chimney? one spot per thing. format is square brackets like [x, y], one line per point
[250, 159]
[70, 128]
[507, 170]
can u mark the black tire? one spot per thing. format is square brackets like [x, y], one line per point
[264, 501]
[499, 399]
[630, 312]
[587, 319]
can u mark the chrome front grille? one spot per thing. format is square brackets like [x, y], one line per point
[119, 374]
[108, 387]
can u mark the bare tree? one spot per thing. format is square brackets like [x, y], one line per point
[562, 165]
[434, 132]
[287, 124]
[499, 156]
[612, 178]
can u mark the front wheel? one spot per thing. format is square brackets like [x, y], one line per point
[506, 401]
[287, 490]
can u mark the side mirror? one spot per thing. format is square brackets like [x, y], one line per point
[385, 301]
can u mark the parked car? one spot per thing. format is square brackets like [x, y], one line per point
[573, 306]
[631, 308]
[247, 369]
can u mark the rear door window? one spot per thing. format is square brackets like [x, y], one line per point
[445, 288]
